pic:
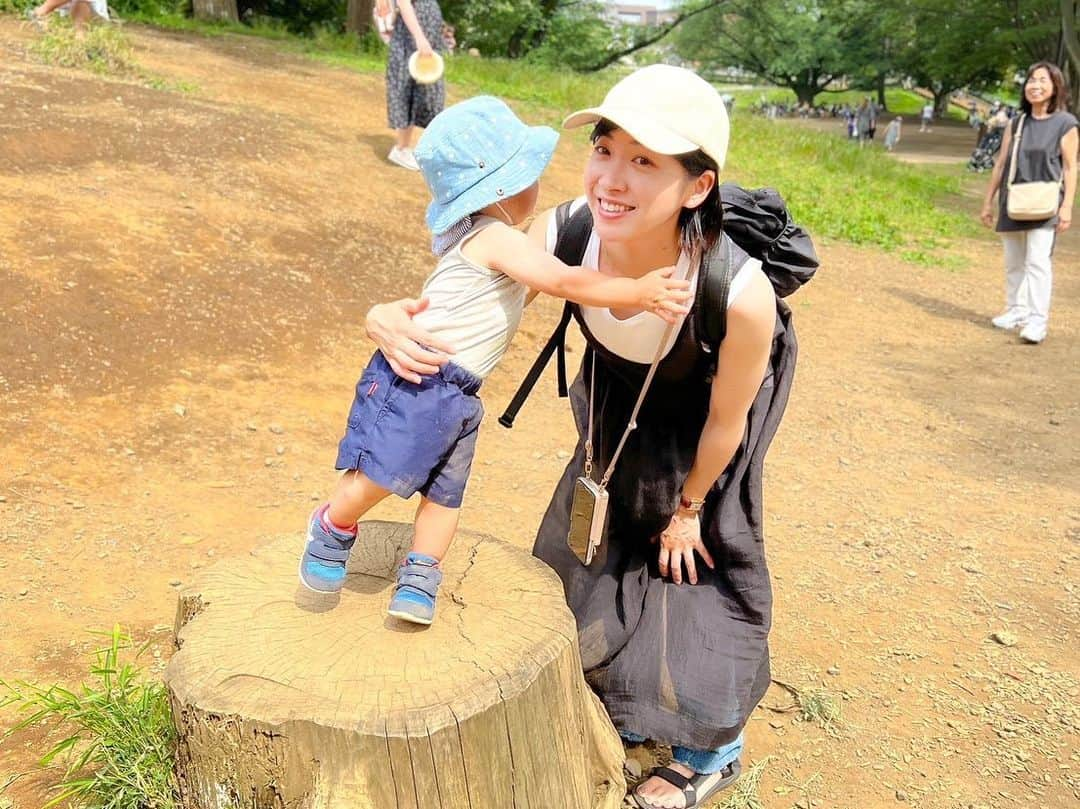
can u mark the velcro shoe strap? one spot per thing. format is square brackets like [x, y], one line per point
[325, 553]
[423, 578]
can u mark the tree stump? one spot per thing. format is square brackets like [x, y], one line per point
[286, 699]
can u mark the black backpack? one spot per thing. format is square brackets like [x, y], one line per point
[756, 224]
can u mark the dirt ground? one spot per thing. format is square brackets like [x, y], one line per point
[182, 282]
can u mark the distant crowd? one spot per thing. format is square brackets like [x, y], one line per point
[861, 122]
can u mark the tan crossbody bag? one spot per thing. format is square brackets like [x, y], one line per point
[1030, 202]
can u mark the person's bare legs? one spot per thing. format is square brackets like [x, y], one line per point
[80, 18]
[355, 495]
[48, 7]
[435, 527]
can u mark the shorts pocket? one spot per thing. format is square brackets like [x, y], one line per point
[371, 395]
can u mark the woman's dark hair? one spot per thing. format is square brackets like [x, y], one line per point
[699, 228]
[1060, 99]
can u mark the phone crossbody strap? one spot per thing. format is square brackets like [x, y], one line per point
[632, 425]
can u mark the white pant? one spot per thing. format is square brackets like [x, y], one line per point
[1028, 275]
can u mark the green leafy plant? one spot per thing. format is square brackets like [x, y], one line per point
[820, 707]
[119, 743]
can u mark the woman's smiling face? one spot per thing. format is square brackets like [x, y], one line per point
[1039, 87]
[634, 192]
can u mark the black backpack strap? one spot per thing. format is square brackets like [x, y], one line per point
[714, 284]
[573, 237]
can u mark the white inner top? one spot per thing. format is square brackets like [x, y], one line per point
[475, 308]
[636, 338]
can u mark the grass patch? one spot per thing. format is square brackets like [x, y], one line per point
[104, 50]
[861, 196]
[820, 707]
[551, 93]
[744, 792]
[170, 85]
[898, 101]
[119, 747]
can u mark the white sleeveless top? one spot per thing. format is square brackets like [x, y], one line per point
[635, 338]
[475, 308]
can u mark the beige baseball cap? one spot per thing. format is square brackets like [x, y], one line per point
[668, 109]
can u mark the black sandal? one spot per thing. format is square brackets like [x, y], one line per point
[696, 789]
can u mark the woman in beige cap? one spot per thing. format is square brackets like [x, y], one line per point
[674, 613]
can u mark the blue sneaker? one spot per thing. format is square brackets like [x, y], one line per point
[417, 585]
[322, 567]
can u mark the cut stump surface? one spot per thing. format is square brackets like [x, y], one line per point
[289, 699]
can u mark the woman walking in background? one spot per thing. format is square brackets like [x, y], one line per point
[892, 133]
[419, 28]
[864, 121]
[1047, 153]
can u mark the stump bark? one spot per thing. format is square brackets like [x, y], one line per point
[285, 699]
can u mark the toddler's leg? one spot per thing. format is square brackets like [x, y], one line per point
[419, 575]
[332, 532]
[355, 495]
[435, 527]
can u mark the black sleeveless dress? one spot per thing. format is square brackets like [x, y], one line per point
[682, 664]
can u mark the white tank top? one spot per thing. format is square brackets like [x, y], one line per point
[635, 338]
[475, 308]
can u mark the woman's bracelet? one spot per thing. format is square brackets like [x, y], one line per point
[691, 504]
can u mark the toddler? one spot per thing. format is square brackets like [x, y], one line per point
[482, 166]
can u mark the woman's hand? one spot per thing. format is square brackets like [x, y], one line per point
[1064, 219]
[987, 215]
[678, 542]
[664, 296]
[410, 350]
[423, 47]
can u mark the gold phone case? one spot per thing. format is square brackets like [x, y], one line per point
[587, 515]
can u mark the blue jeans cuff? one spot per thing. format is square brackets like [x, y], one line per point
[708, 761]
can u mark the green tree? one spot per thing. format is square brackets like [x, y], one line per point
[1070, 40]
[950, 44]
[803, 45]
[509, 28]
[1047, 29]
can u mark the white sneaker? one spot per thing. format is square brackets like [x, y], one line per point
[403, 158]
[1012, 319]
[1033, 333]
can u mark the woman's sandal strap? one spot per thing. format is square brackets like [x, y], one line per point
[709, 784]
[673, 777]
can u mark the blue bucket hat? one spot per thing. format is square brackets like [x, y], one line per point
[478, 152]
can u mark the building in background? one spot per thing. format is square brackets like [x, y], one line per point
[642, 13]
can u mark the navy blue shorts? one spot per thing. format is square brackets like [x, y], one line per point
[412, 438]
